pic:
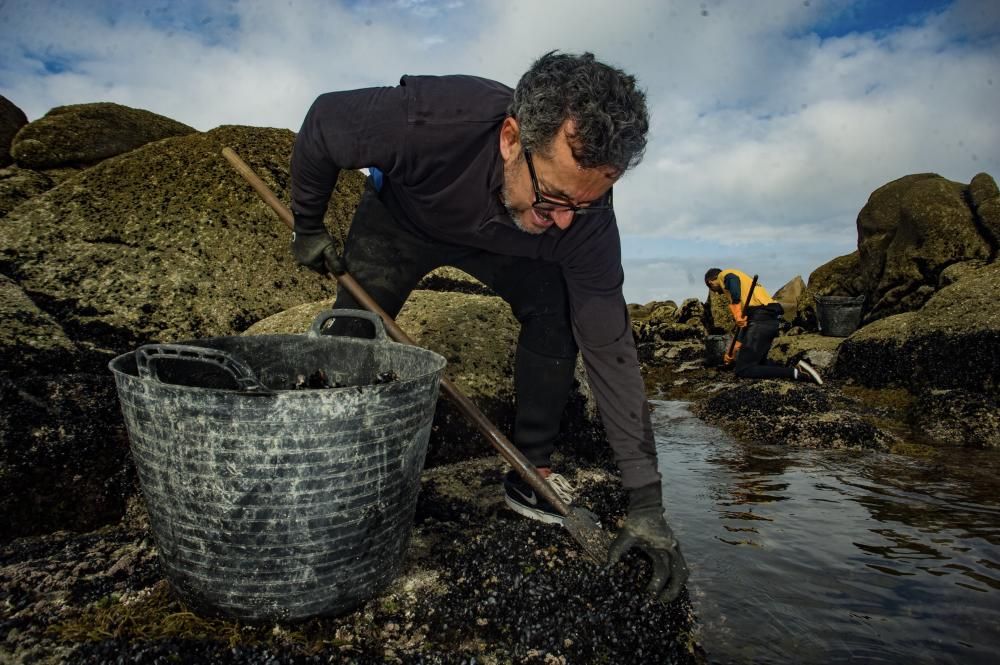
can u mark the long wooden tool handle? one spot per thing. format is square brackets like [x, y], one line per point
[496, 438]
[743, 312]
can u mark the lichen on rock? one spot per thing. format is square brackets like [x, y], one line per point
[89, 133]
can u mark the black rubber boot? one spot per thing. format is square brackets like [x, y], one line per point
[542, 384]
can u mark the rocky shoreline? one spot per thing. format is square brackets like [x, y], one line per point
[150, 236]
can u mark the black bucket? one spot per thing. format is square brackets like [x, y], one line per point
[716, 347]
[838, 316]
[272, 496]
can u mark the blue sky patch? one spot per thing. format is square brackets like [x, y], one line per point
[51, 63]
[876, 16]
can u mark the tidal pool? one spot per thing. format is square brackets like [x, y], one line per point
[806, 556]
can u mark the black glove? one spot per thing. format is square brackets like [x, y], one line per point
[646, 529]
[316, 250]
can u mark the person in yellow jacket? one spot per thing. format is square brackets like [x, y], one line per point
[758, 328]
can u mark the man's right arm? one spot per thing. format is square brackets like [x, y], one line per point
[344, 130]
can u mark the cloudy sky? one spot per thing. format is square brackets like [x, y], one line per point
[773, 120]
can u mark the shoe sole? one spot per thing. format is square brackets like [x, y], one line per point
[811, 372]
[530, 513]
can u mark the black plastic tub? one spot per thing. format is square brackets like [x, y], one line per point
[838, 316]
[272, 496]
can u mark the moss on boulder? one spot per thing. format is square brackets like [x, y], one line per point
[951, 342]
[167, 242]
[89, 133]
[447, 278]
[819, 351]
[792, 414]
[908, 232]
[984, 196]
[958, 417]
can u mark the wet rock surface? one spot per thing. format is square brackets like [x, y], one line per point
[64, 460]
[949, 343]
[785, 413]
[480, 584]
[958, 416]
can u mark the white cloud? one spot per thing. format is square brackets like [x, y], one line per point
[766, 139]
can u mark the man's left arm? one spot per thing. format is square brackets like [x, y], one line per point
[604, 334]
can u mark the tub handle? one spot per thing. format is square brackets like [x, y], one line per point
[326, 315]
[148, 355]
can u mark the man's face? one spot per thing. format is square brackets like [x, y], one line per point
[559, 178]
[713, 285]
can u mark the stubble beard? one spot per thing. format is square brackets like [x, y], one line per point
[515, 214]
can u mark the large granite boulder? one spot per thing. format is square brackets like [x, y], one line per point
[908, 232]
[950, 343]
[167, 242]
[788, 296]
[89, 133]
[984, 197]
[12, 119]
[477, 335]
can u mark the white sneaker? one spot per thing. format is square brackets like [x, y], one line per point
[521, 498]
[807, 373]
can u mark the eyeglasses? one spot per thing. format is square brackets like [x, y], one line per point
[544, 204]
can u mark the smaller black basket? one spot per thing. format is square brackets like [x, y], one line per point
[838, 316]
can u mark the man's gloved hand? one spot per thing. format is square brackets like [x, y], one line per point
[738, 317]
[729, 358]
[646, 529]
[316, 250]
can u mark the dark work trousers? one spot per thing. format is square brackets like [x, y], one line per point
[751, 360]
[388, 256]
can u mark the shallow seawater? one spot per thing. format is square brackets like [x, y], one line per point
[805, 556]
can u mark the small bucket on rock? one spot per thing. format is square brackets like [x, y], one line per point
[281, 472]
[716, 347]
[838, 316]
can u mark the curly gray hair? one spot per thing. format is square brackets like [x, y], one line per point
[607, 108]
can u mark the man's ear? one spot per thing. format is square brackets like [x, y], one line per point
[510, 138]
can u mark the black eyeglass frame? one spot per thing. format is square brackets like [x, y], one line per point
[545, 204]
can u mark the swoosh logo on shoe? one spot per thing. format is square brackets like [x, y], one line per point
[530, 500]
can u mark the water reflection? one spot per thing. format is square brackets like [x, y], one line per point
[833, 556]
